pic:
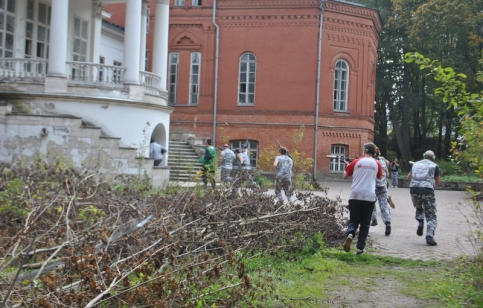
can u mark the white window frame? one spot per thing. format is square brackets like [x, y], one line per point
[116, 74]
[7, 35]
[252, 149]
[37, 45]
[173, 78]
[178, 2]
[148, 19]
[196, 3]
[337, 164]
[246, 87]
[341, 85]
[194, 90]
[80, 37]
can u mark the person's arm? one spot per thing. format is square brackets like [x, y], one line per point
[275, 163]
[437, 179]
[379, 170]
[409, 176]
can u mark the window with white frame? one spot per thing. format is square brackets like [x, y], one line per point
[341, 80]
[337, 163]
[173, 77]
[195, 77]
[7, 28]
[252, 149]
[100, 73]
[116, 74]
[79, 51]
[148, 19]
[37, 34]
[246, 79]
[196, 2]
[178, 2]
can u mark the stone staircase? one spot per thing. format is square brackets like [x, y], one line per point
[183, 161]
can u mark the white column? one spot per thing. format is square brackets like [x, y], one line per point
[59, 25]
[132, 41]
[21, 28]
[160, 41]
[142, 50]
[97, 8]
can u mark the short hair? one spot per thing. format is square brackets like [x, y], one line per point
[370, 148]
[429, 155]
[283, 151]
[152, 140]
[209, 142]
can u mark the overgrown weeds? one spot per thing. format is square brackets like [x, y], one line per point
[119, 243]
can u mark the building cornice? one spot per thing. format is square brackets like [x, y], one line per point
[262, 4]
[235, 21]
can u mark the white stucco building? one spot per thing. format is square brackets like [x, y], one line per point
[73, 85]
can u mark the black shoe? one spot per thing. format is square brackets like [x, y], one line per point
[360, 251]
[374, 222]
[430, 241]
[419, 232]
[388, 229]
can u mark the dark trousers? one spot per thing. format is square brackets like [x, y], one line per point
[157, 162]
[360, 213]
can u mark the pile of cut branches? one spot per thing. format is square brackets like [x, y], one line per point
[70, 238]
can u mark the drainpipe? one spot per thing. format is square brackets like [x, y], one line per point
[215, 94]
[317, 91]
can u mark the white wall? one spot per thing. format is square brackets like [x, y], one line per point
[112, 48]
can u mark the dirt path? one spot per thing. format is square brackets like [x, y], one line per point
[451, 233]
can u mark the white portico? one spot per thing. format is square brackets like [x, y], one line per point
[53, 61]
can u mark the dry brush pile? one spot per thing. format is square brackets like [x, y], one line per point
[70, 239]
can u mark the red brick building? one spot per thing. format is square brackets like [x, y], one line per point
[249, 70]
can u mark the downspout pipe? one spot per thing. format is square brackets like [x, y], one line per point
[217, 53]
[317, 90]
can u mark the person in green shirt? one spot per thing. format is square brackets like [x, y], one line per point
[209, 162]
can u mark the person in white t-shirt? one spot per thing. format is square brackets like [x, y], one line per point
[362, 198]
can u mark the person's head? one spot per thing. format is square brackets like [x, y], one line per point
[209, 142]
[225, 146]
[283, 151]
[429, 155]
[394, 159]
[370, 148]
[378, 152]
[152, 140]
[237, 151]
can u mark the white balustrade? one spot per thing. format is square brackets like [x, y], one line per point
[23, 69]
[151, 82]
[96, 74]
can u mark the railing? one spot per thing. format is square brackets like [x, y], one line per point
[151, 82]
[96, 74]
[19, 69]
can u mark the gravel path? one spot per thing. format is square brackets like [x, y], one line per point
[451, 233]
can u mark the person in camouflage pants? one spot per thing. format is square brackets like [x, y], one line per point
[381, 195]
[424, 176]
[283, 177]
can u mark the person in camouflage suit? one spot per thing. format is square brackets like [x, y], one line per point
[424, 176]
[381, 195]
[283, 178]
[227, 163]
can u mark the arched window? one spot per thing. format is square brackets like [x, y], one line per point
[195, 77]
[337, 162]
[246, 79]
[341, 80]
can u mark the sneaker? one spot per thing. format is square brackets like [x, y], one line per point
[388, 229]
[360, 251]
[430, 241]
[374, 222]
[348, 242]
[419, 231]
